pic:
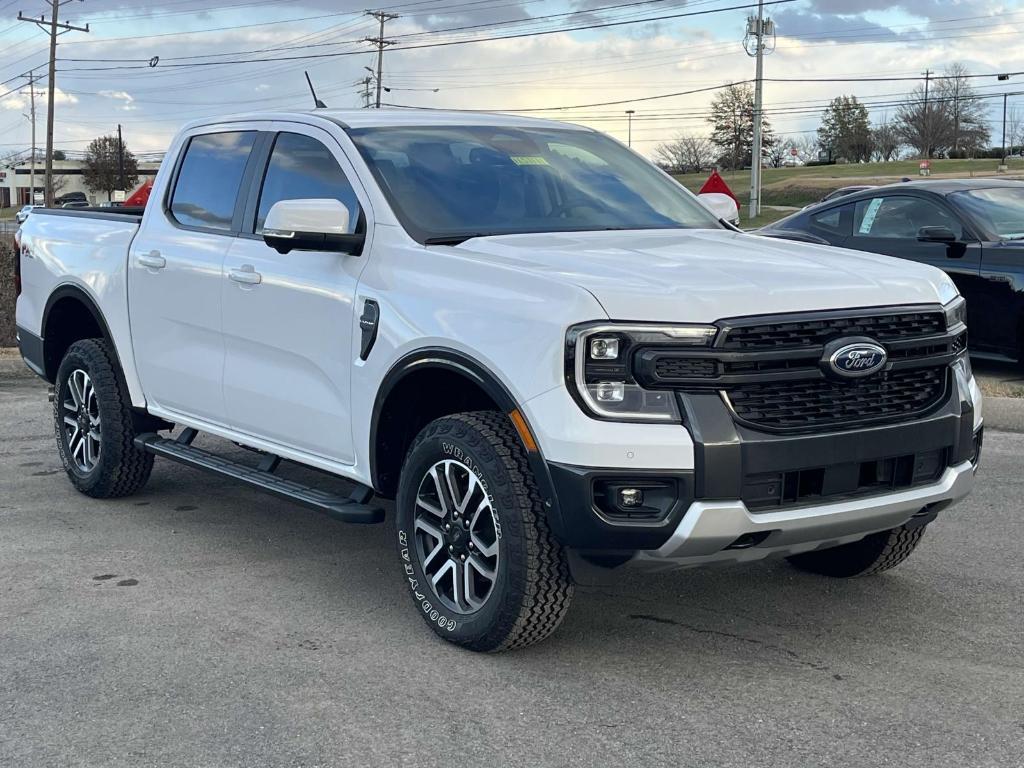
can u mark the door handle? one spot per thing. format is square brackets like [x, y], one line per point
[151, 260]
[246, 274]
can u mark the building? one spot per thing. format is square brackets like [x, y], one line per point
[16, 178]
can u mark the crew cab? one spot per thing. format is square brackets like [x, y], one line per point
[548, 353]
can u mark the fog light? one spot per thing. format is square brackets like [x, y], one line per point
[604, 349]
[610, 392]
[630, 498]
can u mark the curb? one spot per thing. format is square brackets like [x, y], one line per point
[1004, 414]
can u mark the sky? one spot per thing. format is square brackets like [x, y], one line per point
[564, 59]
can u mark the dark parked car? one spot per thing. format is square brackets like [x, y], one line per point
[972, 228]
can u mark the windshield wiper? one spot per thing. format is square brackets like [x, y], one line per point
[452, 239]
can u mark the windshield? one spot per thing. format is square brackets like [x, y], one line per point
[447, 184]
[1000, 210]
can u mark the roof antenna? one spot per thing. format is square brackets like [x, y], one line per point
[316, 102]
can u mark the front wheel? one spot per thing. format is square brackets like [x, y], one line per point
[95, 425]
[483, 568]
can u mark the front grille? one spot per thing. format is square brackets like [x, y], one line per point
[813, 403]
[818, 331]
[674, 367]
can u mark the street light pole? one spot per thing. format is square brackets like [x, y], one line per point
[1004, 129]
[629, 118]
[1003, 78]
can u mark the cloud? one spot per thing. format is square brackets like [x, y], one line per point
[22, 100]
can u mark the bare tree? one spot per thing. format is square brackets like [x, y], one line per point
[1014, 130]
[967, 118]
[885, 141]
[779, 152]
[685, 153]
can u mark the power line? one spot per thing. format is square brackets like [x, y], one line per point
[56, 29]
[465, 41]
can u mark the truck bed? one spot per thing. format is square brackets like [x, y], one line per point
[81, 252]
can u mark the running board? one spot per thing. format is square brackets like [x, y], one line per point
[347, 509]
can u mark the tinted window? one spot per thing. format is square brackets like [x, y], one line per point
[900, 217]
[1000, 209]
[445, 182]
[209, 179]
[303, 168]
[834, 221]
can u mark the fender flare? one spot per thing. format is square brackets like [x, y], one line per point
[72, 291]
[480, 375]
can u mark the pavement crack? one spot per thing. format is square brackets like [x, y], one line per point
[791, 654]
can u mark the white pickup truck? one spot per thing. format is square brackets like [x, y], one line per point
[544, 349]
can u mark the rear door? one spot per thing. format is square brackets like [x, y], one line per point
[289, 319]
[176, 273]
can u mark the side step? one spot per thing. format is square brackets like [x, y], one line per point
[347, 509]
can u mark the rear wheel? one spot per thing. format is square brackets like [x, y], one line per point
[483, 568]
[873, 554]
[95, 425]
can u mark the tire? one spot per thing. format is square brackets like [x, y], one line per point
[518, 588]
[873, 554]
[110, 466]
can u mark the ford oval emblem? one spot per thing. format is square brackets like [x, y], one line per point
[859, 359]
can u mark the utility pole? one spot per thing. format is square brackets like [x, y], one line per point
[758, 28]
[32, 78]
[629, 117]
[54, 29]
[927, 117]
[382, 17]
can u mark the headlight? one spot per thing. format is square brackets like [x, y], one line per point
[956, 312]
[599, 368]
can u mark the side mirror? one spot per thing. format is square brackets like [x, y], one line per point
[936, 235]
[311, 225]
[721, 206]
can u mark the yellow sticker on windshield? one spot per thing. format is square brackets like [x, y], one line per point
[531, 160]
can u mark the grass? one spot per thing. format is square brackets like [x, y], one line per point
[8, 213]
[802, 185]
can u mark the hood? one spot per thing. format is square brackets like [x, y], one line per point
[707, 275]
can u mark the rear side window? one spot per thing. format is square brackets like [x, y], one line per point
[834, 221]
[301, 167]
[209, 179]
[900, 217]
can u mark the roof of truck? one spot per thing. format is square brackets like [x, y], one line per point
[372, 118]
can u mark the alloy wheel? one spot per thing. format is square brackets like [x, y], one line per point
[456, 536]
[80, 413]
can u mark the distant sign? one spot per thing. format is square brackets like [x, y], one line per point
[794, 151]
[118, 196]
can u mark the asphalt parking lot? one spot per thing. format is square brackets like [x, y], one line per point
[201, 624]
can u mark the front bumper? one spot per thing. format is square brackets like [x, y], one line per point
[717, 531]
[731, 505]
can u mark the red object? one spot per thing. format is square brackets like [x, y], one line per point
[140, 196]
[716, 183]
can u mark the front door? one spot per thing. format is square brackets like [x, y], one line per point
[288, 319]
[889, 224]
[176, 268]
